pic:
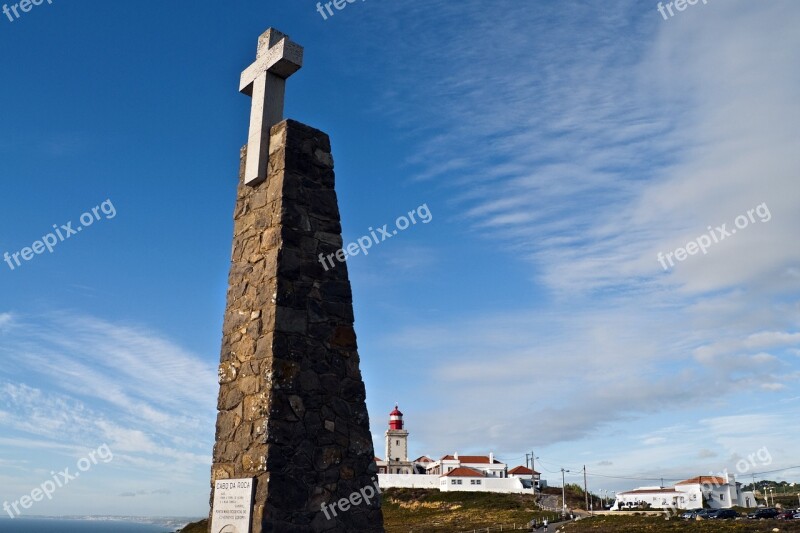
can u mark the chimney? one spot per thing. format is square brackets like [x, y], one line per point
[491, 458]
[455, 456]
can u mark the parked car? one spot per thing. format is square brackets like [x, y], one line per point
[762, 514]
[691, 514]
[797, 515]
[787, 514]
[722, 514]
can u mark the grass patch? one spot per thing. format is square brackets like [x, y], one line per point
[196, 527]
[637, 524]
[432, 511]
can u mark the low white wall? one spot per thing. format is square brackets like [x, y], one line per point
[505, 485]
[404, 481]
[422, 481]
[488, 484]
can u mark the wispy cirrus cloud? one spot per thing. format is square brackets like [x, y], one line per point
[91, 381]
[5, 320]
[599, 137]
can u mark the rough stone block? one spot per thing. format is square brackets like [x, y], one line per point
[292, 404]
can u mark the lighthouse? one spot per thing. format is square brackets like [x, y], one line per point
[397, 444]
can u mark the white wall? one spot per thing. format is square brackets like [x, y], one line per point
[657, 500]
[419, 481]
[488, 484]
[412, 481]
[716, 496]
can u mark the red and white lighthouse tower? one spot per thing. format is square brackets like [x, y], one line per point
[396, 419]
[397, 444]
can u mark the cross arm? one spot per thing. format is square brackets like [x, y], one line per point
[282, 60]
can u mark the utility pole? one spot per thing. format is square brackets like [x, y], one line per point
[586, 490]
[563, 494]
[533, 475]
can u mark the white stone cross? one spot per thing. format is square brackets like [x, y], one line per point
[265, 81]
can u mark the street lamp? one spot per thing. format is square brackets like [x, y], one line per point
[563, 494]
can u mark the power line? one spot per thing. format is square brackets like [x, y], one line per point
[682, 478]
[642, 478]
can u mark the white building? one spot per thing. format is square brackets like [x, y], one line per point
[396, 447]
[451, 472]
[656, 497]
[529, 477]
[715, 492]
[483, 463]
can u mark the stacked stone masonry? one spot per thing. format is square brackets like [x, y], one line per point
[292, 403]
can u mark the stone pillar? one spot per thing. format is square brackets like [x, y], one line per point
[292, 404]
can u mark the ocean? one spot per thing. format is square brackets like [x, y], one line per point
[57, 525]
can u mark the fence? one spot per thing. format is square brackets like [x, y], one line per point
[501, 527]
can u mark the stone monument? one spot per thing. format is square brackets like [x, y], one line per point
[292, 404]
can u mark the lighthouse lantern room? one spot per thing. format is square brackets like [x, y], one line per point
[397, 444]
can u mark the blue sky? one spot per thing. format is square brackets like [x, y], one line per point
[559, 146]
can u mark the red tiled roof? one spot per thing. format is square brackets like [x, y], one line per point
[473, 459]
[423, 459]
[700, 480]
[463, 471]
[378, 459]
[522, 470]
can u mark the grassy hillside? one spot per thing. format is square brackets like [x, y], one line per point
[196, 527]
[638, 524]
[431, 511]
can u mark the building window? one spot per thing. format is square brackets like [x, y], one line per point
[459, 482]
[477, 481]
[471, 481]
[722, 497]
[452, 481]
[397, 443]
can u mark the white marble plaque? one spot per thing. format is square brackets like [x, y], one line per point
[233, 503]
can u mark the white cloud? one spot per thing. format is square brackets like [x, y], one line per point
[99, 382]
[588, 152]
